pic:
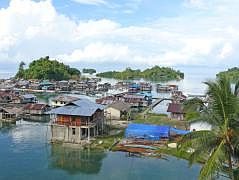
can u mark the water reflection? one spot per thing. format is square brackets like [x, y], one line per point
[74, 160]
[6, 126]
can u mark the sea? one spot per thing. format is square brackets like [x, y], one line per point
[26, 151]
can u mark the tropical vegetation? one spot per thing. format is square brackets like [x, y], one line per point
[219, 146]
[232, 73]
[44, 68]
[90, 71]
[155, 73]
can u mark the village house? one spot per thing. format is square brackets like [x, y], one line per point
[29, 98]
[145, 87]
[10, 114]
[62, 100]
[166, 88]
[103, 87]
[118, 111]
[46, 85]
[64, 85]
[176, 111]
[77, 121]
[9, 97]
[35, 109]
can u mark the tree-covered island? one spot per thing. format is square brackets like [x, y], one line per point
[155, 73]
[90, 71]
[44, 68]
[232, 73]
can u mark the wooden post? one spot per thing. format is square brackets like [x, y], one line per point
[88, 130]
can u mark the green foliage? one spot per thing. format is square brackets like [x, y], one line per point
[155, 73]
[20, 73]
[192, 107]
[90, 71]
[220, 145]
[232, 73]
[44, 68]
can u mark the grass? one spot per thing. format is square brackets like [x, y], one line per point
[181, 155]
[159, 119]
[107, 141]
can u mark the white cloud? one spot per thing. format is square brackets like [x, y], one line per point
[226, 51]
[97, 52]
[33, 29]
[91, 2]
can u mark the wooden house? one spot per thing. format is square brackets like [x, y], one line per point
[176, 111]
[118, 111]
[62, 100]
[64, 85]
[29, 98]
[77, 121]
[35, 109]
[10, 114]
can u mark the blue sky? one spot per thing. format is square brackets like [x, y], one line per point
[107, 34]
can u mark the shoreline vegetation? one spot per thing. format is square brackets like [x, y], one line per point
[89, 71]
[232, 73]
[155, 73]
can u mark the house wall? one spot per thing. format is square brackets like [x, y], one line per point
[112, 113]
[58, 103]
[177, 116]
[71, 134]
[32, 111]
[63, 119]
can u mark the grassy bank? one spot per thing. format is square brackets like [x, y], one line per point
[106, 142]
[160, 119]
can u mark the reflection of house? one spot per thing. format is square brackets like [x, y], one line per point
[118, 110]
[35, 109]
[176, 111]
[77, 121]
[29, 98]
[73, 160]
[62, 100]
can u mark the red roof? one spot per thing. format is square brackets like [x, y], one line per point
[175, 108]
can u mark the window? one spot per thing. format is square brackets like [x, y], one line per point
[73, 131]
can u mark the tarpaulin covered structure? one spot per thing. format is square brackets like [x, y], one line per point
[147, 132]
[178, 131]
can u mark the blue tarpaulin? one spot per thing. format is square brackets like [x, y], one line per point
[178, 131]
[148, 132]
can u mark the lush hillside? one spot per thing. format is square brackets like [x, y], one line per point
[90, 71]
[156, 74]
[232, 73]
[44, 68]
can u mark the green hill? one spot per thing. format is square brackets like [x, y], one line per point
[44, 68]
[155, 73]
[232, 73]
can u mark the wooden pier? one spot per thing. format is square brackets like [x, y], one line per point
[158, 101]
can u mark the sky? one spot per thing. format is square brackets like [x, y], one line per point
[106, 34]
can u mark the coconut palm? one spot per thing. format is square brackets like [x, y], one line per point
[219, 147]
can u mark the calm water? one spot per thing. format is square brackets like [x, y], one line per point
[26, 154]
[25, 151]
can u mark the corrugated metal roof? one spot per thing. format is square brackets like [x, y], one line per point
[82, 107]
[121, 106]
[175, 108]
[35, 106]
[29, 96]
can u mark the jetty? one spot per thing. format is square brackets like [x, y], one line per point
[158, 101]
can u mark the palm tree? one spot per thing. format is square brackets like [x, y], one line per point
[219, 146]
